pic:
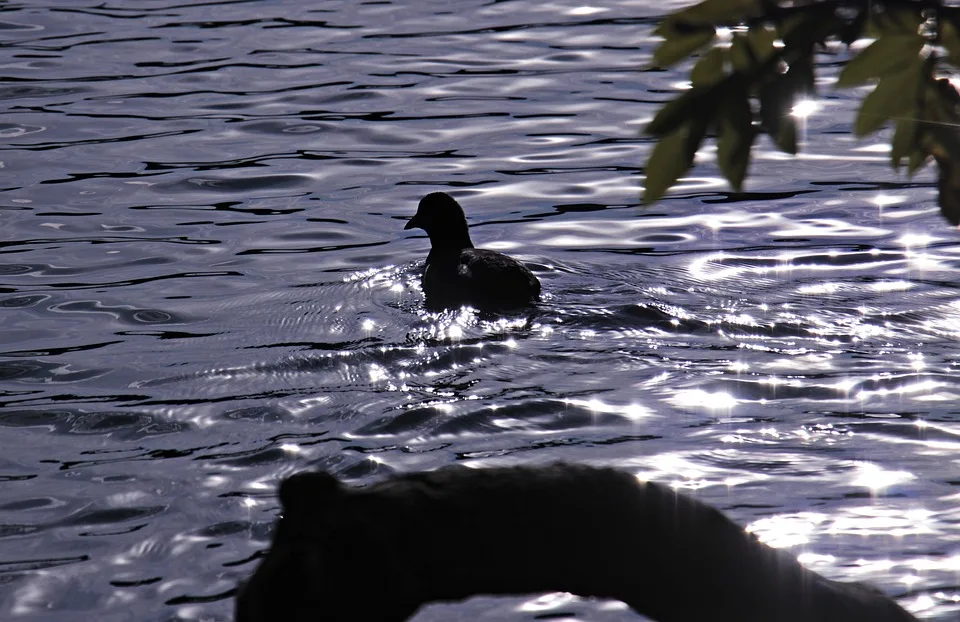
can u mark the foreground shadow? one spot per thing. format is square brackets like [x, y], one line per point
[378, 553]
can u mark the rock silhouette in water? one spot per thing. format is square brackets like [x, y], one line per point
[376, 554]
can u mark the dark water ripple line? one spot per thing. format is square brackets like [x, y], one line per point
[265, 23]
[127, 425]
[337, 155]
[101, 240]
[150, 279]
[19, 566]
[58, 351]
[35, 371]
[94, 141]
[287, 88]
[212, 67]
[38, 269]
[36, 46]
[146, 10]
[427, 34]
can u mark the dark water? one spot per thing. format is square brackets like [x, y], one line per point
[205, 286]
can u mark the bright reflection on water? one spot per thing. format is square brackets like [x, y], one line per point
[205, 286]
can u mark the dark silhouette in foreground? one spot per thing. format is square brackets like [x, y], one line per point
[376, 554]
[458, 274]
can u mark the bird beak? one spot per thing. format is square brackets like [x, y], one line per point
[413, 223]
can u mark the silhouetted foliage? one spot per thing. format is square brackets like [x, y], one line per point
[749, 76]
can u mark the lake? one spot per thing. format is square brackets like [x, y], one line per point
[205, 286]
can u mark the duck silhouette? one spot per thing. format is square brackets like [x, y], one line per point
[458, 274]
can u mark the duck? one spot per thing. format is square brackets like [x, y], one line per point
[458, 274]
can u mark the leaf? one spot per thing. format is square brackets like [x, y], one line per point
[904, 138]
[777, 99]
[709, 69]
[713, 12]
[894, 95]
[741, 55]
[786, 138]
[949, 37]
[944, 135]
[735, 135]
[775, 104]
[671, 158]
[885, 56]
[816, 22]
[894, 21]
[948, 184]
[918, 157]
[677, 47]
[761, 40]
[853, 30]
[691, 104]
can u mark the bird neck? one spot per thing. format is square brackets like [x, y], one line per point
[450, 241]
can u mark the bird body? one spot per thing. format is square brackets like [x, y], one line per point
[457, 274]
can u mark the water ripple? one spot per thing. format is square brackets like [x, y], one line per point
[205, 286]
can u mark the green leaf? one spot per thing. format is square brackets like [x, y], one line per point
[761, 40]
[709, 69]
[741, 55]
[775, 104]
[671, 158]
[677, 47]
[895, 21]
[904, 138]
[894, 95]
[918, 157]
[816, 22]
[950, 39]
[714, 12]
[885, 56]
[735, 135]
[696, 102]
[949, 186]
[786, 138]
[852, 30]
[942, 108]
[778, 97]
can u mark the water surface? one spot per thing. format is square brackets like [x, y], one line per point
[205, 286]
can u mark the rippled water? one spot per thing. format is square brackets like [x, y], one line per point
[205, 286]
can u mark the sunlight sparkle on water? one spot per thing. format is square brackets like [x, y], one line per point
[805, 108]
[891, 286]
[586, 10]
[882, 200]
[704, 399]
[786, 530]
[846, 385]
[819, 288]
[377, 372]
[911, 240]
[633, 412]
[877, 478]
